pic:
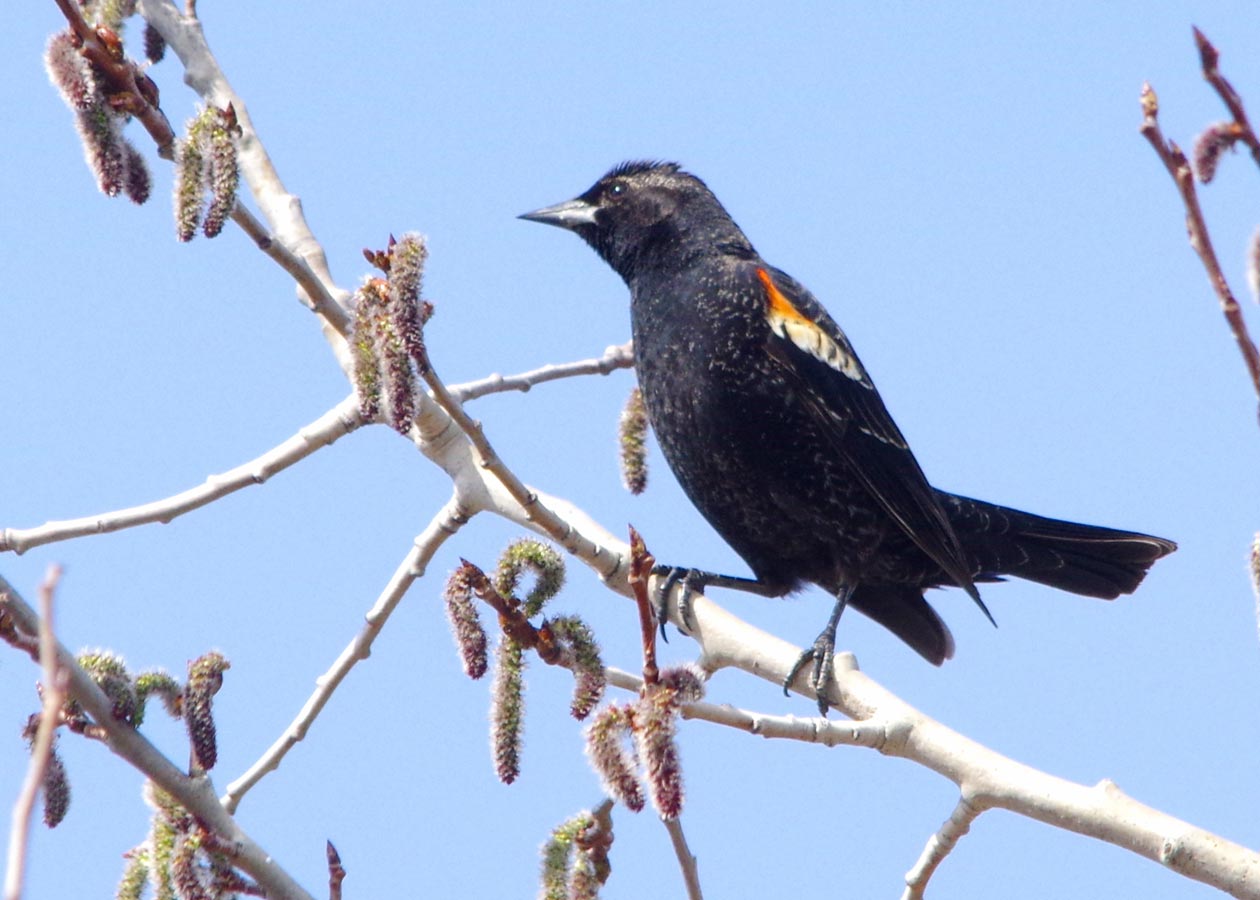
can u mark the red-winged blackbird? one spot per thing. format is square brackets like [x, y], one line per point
[778, 436]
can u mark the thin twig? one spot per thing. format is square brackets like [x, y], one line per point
[446, 523]
[1209, 57]
[1178, 167]
[620, 356]
[54, 696]
[875, 734]
[686, 859]
[641, 563]
[339, 421]
[121, 78]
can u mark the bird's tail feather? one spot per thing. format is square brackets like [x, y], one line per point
[1083, 559]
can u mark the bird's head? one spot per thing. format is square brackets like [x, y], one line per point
[645, 214]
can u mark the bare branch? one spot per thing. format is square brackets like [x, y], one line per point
[313, 293]
[939, 846]
[54, 696]
[446, 523]
[341, 420]
[686, 859]
[327, 429]
[872, 733]
[620, 356]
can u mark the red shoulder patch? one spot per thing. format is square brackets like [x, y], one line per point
[794, 326]
[780, 305]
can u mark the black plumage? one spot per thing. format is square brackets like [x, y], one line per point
[777, 434]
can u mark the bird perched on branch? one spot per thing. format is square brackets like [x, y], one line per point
[777, 434]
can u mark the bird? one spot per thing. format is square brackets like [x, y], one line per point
[777, 434]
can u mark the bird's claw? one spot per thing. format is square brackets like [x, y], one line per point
[823, 655]
[690, 580]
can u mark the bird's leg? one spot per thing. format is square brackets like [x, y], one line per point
[696, 580]
[822, 654]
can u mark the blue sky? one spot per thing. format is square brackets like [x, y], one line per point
[963, 187]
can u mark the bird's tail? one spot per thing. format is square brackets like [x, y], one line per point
[1083, 559]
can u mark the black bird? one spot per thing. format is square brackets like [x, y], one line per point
[776, 432]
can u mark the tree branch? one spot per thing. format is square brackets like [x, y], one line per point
[686, 859]
[445, 524]
[54, 695]
[341, 420]
[985, 778]
[1178, 167]
[939, 846]
[313, 293]
[282, 210]
[194, 794]
[1209, 58]
[620, 356]
[122, 76]
[449, 437]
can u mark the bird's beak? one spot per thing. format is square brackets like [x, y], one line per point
[570, 214]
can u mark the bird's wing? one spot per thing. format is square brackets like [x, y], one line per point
[819, 359]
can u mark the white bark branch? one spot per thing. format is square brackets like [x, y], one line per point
[339, 421]
[445, 524]
[620, 356]
[986, 779]
[332, 425]
[686, 859]
[281, 209]
[939, 846]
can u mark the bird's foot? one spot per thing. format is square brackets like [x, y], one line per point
[823, 655]
[691, 581]
[694, 581]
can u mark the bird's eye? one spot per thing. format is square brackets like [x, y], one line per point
[617, 189]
